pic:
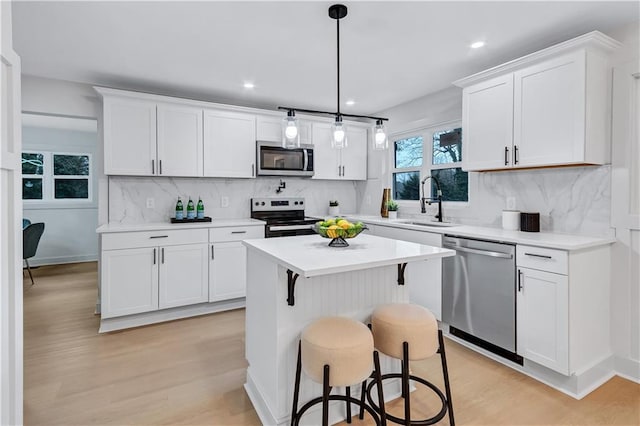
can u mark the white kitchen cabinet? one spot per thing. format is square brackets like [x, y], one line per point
[229, 144]
[349, 163]
[423, 278]
[129, 136]
[228, 262]
[151, 270]
[543, 318]
[546, 109]
[145, 137]
[129, 281]
[184, 275]
[269, 129]
[179, 140]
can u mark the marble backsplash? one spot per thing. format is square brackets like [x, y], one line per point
[570, 200]
[128, 196]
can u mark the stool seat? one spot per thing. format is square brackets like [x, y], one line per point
[345, 345]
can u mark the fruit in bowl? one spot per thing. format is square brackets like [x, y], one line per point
[338, 229]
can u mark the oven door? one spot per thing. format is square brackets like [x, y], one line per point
[273, 160]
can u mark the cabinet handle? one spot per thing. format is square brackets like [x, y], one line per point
[253, 170]
[212, 257]
[238, 232]
[162, 250]
[339, 171]
[154, 256]
[153, 167]
[342, 171]
[160, 166]
[538, 255]
[516, 155]
[520, 287]
[158, 236]
[506, 155]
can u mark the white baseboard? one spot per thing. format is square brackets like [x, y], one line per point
[627, 368]
[59, 260]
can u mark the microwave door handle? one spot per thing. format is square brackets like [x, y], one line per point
[305, 160]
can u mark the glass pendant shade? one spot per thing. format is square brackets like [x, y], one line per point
[338, 134]
[380, 138]
[290, 131]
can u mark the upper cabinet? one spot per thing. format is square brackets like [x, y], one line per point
[550, 108]
[229, 144]
[269, 129]
[349, 163]
[143, 137]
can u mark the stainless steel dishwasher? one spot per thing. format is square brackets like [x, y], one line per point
[479, 294]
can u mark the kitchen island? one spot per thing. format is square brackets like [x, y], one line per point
[292, 281]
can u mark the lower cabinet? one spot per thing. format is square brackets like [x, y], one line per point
[543, 318]
[183, 275]
[424, 278]
[228, 274]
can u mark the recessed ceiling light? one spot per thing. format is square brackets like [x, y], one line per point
[477, 44]
[350, 102]
[249, 85]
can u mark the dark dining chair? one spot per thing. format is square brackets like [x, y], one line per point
[25, 223]
[30, 239]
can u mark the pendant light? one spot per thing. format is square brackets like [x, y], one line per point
[338, 139]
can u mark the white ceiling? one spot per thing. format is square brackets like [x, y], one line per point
[392, 52]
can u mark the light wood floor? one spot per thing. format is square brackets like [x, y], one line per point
[191, 372]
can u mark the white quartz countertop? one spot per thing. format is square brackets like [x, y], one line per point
[310, 255]
[162, 226]
[539, 239]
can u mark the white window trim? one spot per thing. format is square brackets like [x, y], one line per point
[426, 131]
[48, 178]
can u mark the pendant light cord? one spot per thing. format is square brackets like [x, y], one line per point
[338, 61]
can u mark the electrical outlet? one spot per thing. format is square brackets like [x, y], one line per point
[151, 203]
[224, 201]
[511, 203]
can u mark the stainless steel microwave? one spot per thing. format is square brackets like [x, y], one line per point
[274, 160]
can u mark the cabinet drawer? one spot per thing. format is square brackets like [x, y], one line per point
[235, 233]
[122, 240]
[542, 259]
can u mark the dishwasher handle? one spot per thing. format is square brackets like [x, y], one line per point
[480, 252]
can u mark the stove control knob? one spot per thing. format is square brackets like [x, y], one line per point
[296, 203]
[257, 203]
[262, 203]
[301, 202]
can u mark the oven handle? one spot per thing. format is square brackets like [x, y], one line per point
[481, 252]
[288, 227]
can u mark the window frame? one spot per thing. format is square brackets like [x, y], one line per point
[49, 177]
[426, 131]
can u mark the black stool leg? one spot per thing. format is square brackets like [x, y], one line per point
[445, 373]
[378, 379]
[348, 404]
[405, 383]
[296, 389]
[362, 394]
[326, 389]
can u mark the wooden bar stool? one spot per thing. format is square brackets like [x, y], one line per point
[337, 351]
[410, 333]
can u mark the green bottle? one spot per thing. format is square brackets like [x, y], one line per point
[200, 209]
[179, 210]
[191, 211]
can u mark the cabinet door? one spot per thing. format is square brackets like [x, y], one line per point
[269, 128]
[129, 137]
[228, 271]
[129, 281]
[424, 278]
[326, 161]
[179, 140]
[543, 318]
[354, 156]
[487, 120]
[184, 273]
[229, 144]
[549, 112]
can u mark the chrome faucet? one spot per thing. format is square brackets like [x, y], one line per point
[438, 199]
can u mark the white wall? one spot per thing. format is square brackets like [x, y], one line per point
[69, 225]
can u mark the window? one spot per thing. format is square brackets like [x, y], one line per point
[50, 176]
[442, 152]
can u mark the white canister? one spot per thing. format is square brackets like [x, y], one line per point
[511, 220]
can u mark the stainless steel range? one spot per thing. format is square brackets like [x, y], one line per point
[284, 216]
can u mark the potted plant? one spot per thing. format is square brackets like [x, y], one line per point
[334, 209]
[392, 206]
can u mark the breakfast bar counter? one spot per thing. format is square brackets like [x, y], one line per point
[292, 281]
